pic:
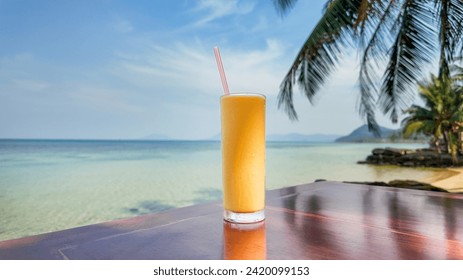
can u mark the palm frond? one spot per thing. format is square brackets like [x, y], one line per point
[408, 54]
[444, 37]
[364, 12]
[412, 128]
[450, 20]
[406, 34]
[451, 28]
[283, 6]
[320, 53]
[456, 71]
[285, 98]
[373, 51]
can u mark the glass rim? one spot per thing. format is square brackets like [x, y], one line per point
[243, 93]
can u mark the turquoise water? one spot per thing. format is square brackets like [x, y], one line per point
[48, 185]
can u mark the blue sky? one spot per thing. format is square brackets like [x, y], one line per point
[113, 69]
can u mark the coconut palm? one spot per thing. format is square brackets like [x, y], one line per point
[404, 34]
[430, 118]
[441, 115]
[457, 118]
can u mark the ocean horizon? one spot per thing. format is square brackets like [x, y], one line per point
[54, 184]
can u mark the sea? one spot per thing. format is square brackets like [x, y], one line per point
[50, 185]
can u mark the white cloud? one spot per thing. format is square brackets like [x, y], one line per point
[218, 9]
[256, 70]
[192, 68]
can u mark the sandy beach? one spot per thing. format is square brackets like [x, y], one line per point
[450, 179]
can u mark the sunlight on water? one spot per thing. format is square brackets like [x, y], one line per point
[53, 185]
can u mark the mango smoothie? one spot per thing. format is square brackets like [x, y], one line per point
[244, 241]
[243, 155]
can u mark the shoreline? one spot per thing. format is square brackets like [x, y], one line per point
[450, 179]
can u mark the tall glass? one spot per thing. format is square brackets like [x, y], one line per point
[244, 241]
[243, 157]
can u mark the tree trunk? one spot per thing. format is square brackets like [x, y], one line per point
[436, 143]
[460, 143]
[453, 144]
[446, 141]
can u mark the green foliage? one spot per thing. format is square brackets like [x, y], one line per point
[404, 33]
[441, 116]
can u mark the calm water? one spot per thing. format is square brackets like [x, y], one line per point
[53, 185]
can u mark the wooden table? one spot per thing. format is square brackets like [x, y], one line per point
[323, 220]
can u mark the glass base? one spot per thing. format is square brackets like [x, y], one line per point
[243, 218]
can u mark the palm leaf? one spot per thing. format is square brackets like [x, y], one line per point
[450, 31]
[408, 54]
[412, 128]
[320, 53]
[283, 6]
[373, 51]
[405, 33]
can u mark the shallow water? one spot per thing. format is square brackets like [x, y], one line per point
[48, 185]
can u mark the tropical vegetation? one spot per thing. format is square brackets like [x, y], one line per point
[441, 116]
[395, 39]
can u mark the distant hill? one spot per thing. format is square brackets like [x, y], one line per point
[294, 137]
[362, 134]
[297, 137]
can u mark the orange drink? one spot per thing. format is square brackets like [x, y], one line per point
[243, 156]
[244, 241]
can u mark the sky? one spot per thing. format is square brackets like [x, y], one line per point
[113, 69]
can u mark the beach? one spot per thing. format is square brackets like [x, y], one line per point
[449, 179]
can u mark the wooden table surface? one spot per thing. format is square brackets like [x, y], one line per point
[323, 220]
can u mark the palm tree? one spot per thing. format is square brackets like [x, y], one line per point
[457, 119]
[430, 118]
[405, 34]
[441, 116]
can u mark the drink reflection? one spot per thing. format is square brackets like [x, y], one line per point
[244, 241]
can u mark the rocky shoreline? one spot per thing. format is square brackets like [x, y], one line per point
[410, 158]
[405, 184]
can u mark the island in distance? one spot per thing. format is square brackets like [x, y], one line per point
[358, 135]
[362, 134]
[293, 137]
[297, 137]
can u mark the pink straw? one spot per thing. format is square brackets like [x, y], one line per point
[221, 70]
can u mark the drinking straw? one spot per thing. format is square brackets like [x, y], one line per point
[221, 70]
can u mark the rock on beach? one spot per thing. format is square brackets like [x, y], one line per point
[411, 158]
